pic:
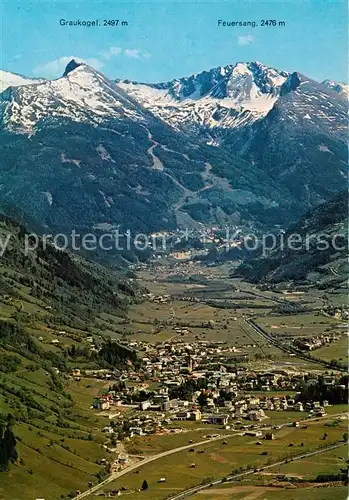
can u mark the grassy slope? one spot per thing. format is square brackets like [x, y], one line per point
[58, 436]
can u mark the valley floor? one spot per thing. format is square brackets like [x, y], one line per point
[186, 304]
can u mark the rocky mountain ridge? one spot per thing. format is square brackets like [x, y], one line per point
[240, 145]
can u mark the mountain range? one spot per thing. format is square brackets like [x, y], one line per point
[285, 123]
[243, 144]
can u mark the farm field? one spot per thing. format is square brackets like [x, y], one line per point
[197, 431]
[224, 303]
[335, 350]
[151, 445]
[309, 325]
[329, 462]
[265, 487]
[237, 492]
[228, 325]
[215, 460]
[300, 325]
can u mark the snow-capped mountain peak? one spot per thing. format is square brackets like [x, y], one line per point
[219, 82]
[226, 96]
[82, 94]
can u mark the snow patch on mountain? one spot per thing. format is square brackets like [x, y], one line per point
[49, 197]
[8, 79]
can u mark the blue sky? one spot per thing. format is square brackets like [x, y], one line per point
[169, 39]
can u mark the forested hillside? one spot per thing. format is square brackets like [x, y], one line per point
[56, 313]
[321, 255]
